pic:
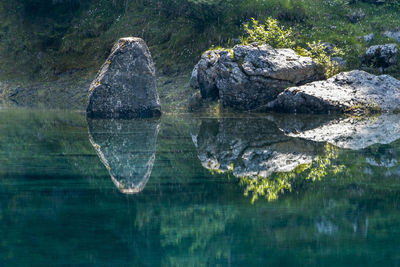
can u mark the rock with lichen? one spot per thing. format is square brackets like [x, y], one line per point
[356, 92]
[249, 76]
[125, 86]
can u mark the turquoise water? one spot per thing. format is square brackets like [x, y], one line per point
[180, 191]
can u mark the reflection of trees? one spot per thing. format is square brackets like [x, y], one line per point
[272, 186]
[198, 230]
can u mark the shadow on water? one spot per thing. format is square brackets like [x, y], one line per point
[127, 148]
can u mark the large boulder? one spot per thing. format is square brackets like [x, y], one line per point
[382, 55]
[348, 92]
[125, 86]
[248, 77]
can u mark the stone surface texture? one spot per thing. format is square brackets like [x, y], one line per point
[348, 92]
[248, 77]
[382, 55]
[125, 86]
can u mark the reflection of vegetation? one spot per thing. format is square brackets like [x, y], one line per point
[195, 233]
[278, 183]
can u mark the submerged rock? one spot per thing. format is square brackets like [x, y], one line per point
[348, 92]
[355, 133]
[125, 86]
[248, 77]
[127, 148]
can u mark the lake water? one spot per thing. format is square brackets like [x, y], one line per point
[188, 190]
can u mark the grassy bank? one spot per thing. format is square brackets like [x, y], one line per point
[42, 42]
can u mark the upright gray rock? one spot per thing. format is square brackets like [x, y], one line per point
[125, 86]
[348, 92]
[248, 77]
[127, 148]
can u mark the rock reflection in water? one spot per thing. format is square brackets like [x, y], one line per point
[127, 148]
[250, 147]
[355, 133]
[269, 154]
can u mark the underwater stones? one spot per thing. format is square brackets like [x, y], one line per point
[125, 86]
[249, 76]
[356, 92]
[382, 55]
[127, 148]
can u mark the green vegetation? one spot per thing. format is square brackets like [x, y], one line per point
[50, 40]
[278, 37]
[65, 35]
[270, 33]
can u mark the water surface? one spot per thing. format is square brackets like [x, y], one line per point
[197, 191]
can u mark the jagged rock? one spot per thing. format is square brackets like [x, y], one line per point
[207, 74]
[348, 92]
[382, 55]
[248, 77]
[393, 34]
[127, 148]
[125, 86]
[355, 133]
[250, 147]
